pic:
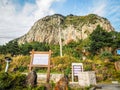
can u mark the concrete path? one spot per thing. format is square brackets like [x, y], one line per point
[107, 87]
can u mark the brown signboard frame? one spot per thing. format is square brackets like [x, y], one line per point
[40, 56]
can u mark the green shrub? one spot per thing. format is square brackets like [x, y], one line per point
[87, 67]
[42, 87]
[115, 58]
[67, 71]
[5, 80]
[60, 64]
[105, 54]
[18, 80]
[22, 68]
[12, 81]
[0, 67]
[20, 62]
[116, 75]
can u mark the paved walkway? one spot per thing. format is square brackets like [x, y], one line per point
[107, 87]
[99, 86]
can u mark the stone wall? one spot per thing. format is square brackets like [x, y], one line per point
[87, 78]
[41, 77]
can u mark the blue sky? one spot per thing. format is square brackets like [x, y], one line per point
[17, 16]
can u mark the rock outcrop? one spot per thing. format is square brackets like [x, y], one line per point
[62, 84]
[117, 65]
[72, 28]
[31, 79]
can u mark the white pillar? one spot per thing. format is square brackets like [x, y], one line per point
[7, 65]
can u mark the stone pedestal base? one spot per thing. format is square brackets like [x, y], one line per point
[87, 78]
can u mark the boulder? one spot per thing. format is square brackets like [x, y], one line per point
[31, 79]
[117, 65]
[62, 84]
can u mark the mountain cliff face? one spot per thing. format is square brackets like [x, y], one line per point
[71, 27]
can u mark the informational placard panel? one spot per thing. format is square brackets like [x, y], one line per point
[40, 59]
[76, 69]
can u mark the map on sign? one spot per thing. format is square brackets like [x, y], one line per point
[41, 59]
[77, 69]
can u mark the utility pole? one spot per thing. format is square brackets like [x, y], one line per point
[60, 41]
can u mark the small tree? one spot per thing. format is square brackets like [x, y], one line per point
[100, 39]
[13, 48]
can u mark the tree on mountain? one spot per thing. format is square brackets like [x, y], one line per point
[13, 48]
[3, 49]
[116, 39]
[99, 40]
[26, 48]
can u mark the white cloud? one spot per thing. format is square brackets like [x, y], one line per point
[99, 7]
[94, 7]
[16, 23]
[100, 10]
[43, 8]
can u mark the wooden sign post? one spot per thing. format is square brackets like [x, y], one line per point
[41, 59]
[76, 69]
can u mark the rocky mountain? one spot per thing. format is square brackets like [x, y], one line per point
[49, 28]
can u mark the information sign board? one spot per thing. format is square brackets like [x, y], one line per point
[40, 59]
[76, 69]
